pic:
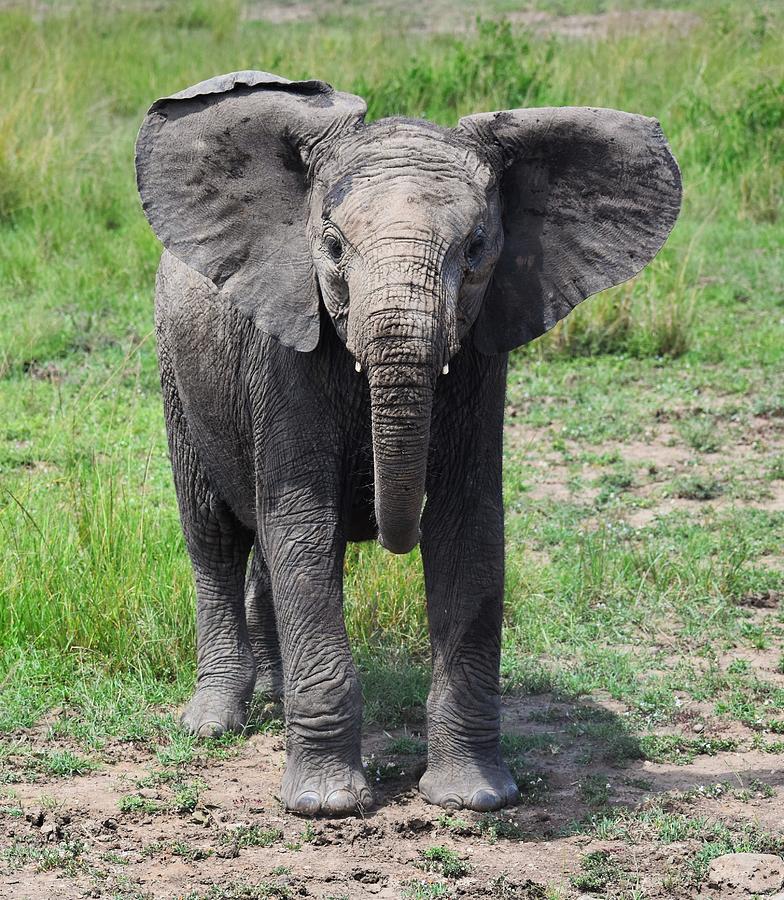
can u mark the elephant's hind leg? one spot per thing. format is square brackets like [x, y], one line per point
[219, 546]
[262, 629]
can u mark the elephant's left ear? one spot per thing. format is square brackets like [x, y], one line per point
[588, 198]
[222, 169]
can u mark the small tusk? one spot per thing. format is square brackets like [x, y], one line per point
[357, 366]
[445, 370]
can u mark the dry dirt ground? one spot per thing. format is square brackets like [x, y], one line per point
[208, 851]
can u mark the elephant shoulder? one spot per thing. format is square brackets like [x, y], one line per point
[176, 279]
[186, 302]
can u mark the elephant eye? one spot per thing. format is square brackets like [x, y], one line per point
[475, 249]
[334, 246]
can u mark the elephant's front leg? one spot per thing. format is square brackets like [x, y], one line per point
[464, 577]
[463, 556]
[304, 548]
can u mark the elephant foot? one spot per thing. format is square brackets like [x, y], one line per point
[269, 686]
[483, 788]
[211, 713]
[325, 787]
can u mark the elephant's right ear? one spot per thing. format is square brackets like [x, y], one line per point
[222, 172]
[589, 197]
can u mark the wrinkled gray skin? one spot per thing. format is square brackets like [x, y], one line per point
[301, 244]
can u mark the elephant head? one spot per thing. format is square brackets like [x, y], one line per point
[415, 238]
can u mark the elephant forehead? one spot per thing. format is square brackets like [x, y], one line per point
[410, 203]
[407, 174]
[387, 152]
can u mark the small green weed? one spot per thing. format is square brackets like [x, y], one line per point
[673, 748]
[189, 852]
[133, 803]
[491, 826]
[599, 873]
[251, 836]
[378, 770]
[613, 483]
[425, 890]
[65, 855]
[698, 487]
[456, 824]
[18, 762]
[308, 834]
[595, 790]
[186, 796]
[65, 764]
[503, 888]
[443, 861]
[532, 784]
[241, 890]
[518, 744]
[738, 667]
[406, 745]
[775, 470]
[14, 812]
[702, 434]
[496, 827]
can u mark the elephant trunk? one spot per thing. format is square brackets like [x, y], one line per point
[402, 333]
[401, 398]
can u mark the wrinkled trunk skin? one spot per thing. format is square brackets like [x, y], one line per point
[401, 336]
[401, 403]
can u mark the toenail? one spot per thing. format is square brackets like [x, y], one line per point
[340, 801]
[451, 801]
[210, 730]
[308, 803]
[486, 800]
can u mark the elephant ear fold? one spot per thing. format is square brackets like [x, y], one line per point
[222, 170]
[588, 198]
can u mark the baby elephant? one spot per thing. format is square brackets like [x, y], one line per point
[334, 308]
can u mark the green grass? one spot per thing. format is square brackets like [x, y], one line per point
[96, 597]
[406, 745]
[655, 823]
[252, 836]
[443, 861]
[599, 873]
[66, 856]
[239, 890]
[680, 750]
[424, 890]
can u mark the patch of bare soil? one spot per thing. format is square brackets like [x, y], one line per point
[279, 13]
[609, 24]
[77, 837]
